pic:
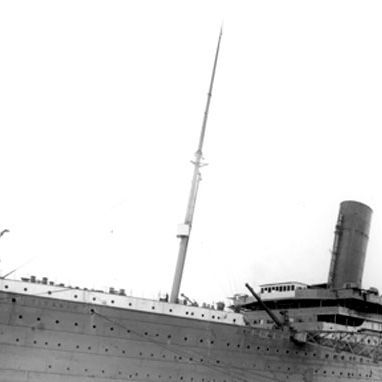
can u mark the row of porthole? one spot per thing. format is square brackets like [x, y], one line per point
[148, 375]
[59, 345]
[341, 374]
[211, 342]
[152, 307]
[106, 350]
[169, 336]
[350, 358]
[180, 358]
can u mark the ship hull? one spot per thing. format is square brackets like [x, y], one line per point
[47, 339]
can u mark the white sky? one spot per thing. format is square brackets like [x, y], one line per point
[101, 104]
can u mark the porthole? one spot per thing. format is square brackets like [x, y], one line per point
[153, 307]
[76, 324]
[57, 322]
[94, 299]
[38, 319]
[6, 286]
[170, 310]
[20, 317]
[25, 289]
[13, 300]
[234, 320]
[35, 342]
[111, 329]
[49, 366]
[49, 292]
[106, 350]
[112, 301]
[59, 345]
[75, 296]
[94, 326]
[185, 338]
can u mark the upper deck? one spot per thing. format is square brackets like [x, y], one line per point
[43, 289]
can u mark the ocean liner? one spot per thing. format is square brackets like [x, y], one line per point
[286, 331]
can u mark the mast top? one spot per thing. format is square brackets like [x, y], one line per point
[209, 94]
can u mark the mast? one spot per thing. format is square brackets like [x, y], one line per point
[185, 228]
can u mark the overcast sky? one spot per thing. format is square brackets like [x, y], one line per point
[101, 104]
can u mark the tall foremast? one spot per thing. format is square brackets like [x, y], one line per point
[185, 228]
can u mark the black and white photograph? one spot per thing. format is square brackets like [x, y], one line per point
[190, 191]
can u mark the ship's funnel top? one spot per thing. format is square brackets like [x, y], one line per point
[349, 247]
